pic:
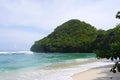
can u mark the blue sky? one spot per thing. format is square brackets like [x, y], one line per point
[24, 21]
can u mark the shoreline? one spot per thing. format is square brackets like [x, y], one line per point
[98, 73]
[64, 73]
[55, 72]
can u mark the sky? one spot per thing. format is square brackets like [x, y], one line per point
[22, 22]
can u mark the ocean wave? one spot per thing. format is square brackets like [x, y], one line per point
[81, 60]
[17, 52]
[62, 73]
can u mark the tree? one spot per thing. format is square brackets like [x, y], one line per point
[112, 50]
[118, 15]
[115, 47]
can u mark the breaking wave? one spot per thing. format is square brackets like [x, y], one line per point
[17, 52]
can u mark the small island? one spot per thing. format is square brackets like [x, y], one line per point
[75, 36]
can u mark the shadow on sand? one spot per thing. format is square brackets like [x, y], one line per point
[109, 75]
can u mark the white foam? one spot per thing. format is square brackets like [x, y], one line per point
[17, 52]
[25, 52]
[56, 74]
[78, 60]
[4, 52]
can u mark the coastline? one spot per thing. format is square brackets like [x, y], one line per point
[98, 73]
[55, 72]
[64, 73]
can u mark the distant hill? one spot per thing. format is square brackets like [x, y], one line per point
[72, 36]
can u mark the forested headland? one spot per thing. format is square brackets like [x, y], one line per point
[75, 36]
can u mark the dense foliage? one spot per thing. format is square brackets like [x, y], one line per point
[72, 36]
[110, 47]
[108, 44]
[76, 36]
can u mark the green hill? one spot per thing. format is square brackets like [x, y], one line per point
[71, 36]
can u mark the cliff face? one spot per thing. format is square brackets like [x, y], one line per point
[71, 36]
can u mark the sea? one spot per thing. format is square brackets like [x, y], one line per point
[27, 65]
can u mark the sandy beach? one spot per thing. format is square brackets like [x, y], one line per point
[99, 73]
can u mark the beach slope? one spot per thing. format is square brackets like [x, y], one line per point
[100, 73]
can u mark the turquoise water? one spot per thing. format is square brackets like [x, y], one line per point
[19, 60]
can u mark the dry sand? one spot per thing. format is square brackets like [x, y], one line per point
[100, 73]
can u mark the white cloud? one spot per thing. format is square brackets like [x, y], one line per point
[45, 15]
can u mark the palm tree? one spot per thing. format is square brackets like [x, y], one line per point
[118, 15]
